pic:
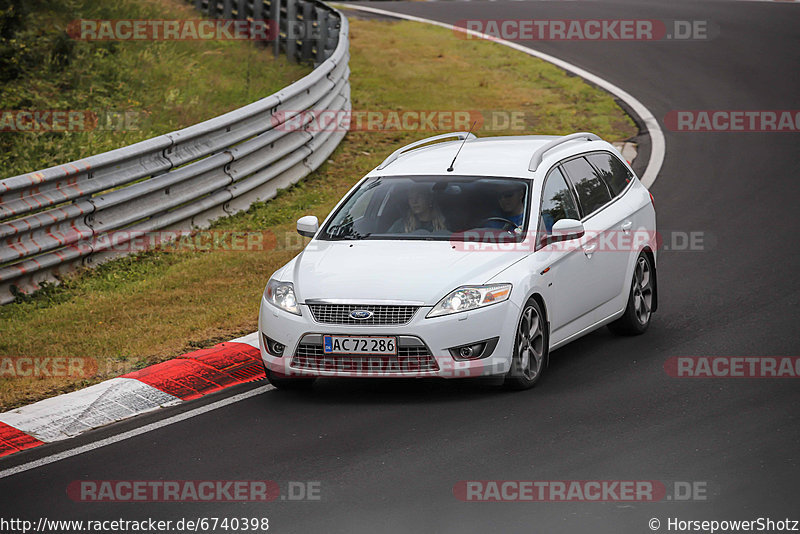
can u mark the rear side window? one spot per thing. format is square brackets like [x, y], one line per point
[615, 174]
[592, 191]
[557, 201]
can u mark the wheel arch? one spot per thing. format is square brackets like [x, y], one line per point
[652, 257]
[536, 296]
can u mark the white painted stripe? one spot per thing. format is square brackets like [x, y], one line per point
[70, 414]
[658, 146]
[133, 433]
[251, 339]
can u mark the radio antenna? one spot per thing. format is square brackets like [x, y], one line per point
[450, 168]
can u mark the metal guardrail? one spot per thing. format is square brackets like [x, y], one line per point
[58, 219]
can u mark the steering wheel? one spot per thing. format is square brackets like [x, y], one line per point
[508, 226]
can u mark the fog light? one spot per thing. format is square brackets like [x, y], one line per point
[273, 347]
[474, 351]
[466, 352]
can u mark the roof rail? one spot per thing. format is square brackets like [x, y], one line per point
[540, 152]
[400, 151]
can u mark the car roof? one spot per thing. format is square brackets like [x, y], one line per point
[487, 156]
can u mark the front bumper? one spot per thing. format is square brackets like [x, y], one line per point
[423, 344]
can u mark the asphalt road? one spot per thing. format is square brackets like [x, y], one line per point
[388, 453]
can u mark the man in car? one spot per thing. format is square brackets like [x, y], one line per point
[511, 201]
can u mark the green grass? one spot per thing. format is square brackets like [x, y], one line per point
[161, 85]
[154, 306]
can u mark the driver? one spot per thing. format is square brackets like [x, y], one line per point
[511, 201]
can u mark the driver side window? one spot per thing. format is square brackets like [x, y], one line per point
[557, 202]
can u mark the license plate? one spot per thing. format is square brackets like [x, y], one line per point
[359, 345]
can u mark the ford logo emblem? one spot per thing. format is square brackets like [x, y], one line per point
[361, 314]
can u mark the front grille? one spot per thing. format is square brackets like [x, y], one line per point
[381, 314]
[409, 359]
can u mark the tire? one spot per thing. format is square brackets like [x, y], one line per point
[638, 311]
[530, 348]
[283, 382]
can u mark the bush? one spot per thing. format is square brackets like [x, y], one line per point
[13, 17]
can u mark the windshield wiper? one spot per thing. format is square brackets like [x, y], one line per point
[340, 233]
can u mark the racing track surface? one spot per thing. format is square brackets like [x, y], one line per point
[388, 453]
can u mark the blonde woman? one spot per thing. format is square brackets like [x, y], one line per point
[423, 214]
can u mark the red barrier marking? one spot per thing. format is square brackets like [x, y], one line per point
[240, 360]
[13, 440]
[188, 377]
[204, 371]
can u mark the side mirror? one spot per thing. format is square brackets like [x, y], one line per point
[307, 226]
[566, 229]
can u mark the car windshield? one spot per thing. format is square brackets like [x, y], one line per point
[430, 207]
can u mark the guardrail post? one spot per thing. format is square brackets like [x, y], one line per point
[258, 14]
[291, 21]
[307, 28]
[322, 35]
[241, 10]
[275, 14]
[333, 33]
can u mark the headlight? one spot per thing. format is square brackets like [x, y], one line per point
[281, 294]
[471, 297]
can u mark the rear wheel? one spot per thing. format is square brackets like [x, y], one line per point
[530, 348]
[284, 382]
[637, 314]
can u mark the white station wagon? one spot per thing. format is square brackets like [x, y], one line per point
[466, 258]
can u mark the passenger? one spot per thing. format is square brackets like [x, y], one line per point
[422, 214]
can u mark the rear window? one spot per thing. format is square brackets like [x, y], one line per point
[592, 191]
[615, 174]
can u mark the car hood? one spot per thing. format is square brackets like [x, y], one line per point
[422, 271]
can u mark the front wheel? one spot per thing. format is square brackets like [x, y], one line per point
[638, 311]
[530, 348]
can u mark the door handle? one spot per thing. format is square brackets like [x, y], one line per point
[626, 226]
[589, 249]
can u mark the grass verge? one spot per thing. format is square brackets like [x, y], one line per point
[135, 89]
[140, 310]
